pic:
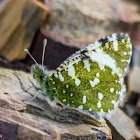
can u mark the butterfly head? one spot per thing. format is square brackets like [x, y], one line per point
[38, 72]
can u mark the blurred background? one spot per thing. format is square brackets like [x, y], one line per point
[70, 25]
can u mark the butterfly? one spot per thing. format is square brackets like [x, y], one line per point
[91, 78]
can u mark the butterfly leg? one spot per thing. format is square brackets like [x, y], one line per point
[39, 92]
[55, 104]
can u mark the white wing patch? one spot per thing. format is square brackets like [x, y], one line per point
[97, 74]
[71, 71]
[99, 104]
[111, 90]
[95, 82]
[61, 77]
[84, 99]
[80, 107]
[115, 45]
[77, 82]
[100, 96]
[86, 64]
[103, 60]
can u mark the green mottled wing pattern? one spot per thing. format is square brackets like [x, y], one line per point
[93, 78]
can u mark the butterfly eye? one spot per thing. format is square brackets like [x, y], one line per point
[41, 76]
[34, 75]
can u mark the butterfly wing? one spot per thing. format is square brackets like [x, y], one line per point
[92, 78]
[121, 38]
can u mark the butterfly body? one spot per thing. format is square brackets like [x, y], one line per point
[92, 78]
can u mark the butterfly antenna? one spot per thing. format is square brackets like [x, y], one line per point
[31, 56]
[44, 47]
